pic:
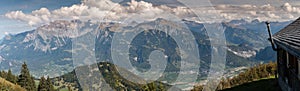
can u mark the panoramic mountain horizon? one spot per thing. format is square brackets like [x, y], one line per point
[148, 45]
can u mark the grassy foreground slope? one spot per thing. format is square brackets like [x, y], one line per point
[8, 86]
[260, 85]
[254, 78]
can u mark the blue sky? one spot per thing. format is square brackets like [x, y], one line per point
[30, 5]
[15, 26]
[23, 15]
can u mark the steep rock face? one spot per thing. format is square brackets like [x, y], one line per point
[54, 35]
[39, 48]
[48, 49]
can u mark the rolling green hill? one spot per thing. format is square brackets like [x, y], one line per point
[111, 77]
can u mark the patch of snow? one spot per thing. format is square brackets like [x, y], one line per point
[166, 56]
[135, 58]
[10, 64]
[2, 46]
[54, 48]
[245, 54]
[29, 36]
[1, 59]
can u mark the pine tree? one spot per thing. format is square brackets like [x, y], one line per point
[255, 73]
[221, 84]
[10, 77]
[161, 87]
[25, 79]
[49, 84]
[3, 74]
[227, 84]
[248, 75]
[43, 85]
[33, 83]
[70, 89]
[265, 73]
[150, 87]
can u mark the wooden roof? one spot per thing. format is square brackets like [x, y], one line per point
[289, 38]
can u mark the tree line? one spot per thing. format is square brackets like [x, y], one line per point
[26, 80]
[253, 74]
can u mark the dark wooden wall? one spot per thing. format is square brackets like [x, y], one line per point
[288, 71]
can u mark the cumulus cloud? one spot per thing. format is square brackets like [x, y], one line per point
[289, 8]
[139, 11]
[97, 10]
[264, 12]
[31, 19]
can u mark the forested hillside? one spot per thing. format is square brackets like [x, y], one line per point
[70, 82]
[25, 81]
[112, 77]
[253, 74]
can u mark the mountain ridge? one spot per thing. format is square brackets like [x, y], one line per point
[50, 44]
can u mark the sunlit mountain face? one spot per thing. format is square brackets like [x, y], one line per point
[58, 38]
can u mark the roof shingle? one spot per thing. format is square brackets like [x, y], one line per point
[289, 38]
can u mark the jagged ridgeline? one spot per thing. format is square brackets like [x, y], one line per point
[48, 49]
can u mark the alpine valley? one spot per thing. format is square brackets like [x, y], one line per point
[48, 49]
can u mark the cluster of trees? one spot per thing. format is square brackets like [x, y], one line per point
[26, 81]
[155, 86]
[116, 81]
[253, 74]
[9, 76]
[45, 85]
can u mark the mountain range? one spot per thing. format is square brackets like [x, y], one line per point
[48, 49]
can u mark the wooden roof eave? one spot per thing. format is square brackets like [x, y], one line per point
[291, 49]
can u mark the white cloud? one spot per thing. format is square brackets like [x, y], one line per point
[289, 8]
[42, 11]
[271, 15]
[99, 10]
[31, 19]
[267, 7]
[6, 33]
[264, 12]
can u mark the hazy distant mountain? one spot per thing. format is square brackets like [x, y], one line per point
[260, 26]
[47, 49]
